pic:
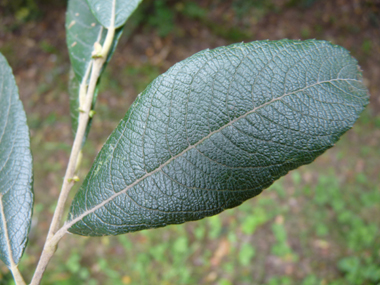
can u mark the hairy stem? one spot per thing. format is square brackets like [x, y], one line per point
[68, 182]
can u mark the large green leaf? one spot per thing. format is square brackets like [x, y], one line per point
[217, 129]
[16, 192]
[118, 10]
[82, 31]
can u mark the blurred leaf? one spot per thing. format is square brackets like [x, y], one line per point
[73, 263]
[16, 179]
[199, 231]
[158, 251]
[217, 129]
[311, 280]
[224, 282]
[162, 18]
[193, 10]
[321, 229]
[180, 246]
[246, 253]
[251, 222]
[283, 280]
[350, 265]
[215, 227]
[103, 11]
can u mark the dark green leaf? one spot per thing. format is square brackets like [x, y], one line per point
[217, 129]
[16, 192]
[103, 10]
[82, 31]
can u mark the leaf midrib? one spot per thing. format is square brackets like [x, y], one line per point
[159, 168]
[10, 255]
[113, 15]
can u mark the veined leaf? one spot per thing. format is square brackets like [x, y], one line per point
[215, 130]
[16, 192]
[118, 10]
[82, 31]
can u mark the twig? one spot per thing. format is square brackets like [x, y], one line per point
[17, 275]
[68, 182]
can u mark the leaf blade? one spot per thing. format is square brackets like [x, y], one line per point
[82, 31]
[217, 129]
[103, 11]
[16, 191]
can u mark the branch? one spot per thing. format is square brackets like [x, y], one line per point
[68, 182]
[17, 275]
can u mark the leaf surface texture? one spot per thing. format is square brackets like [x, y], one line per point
[215, 130]
[16, 192]
[103, 10]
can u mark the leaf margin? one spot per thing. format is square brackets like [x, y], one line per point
[11, 260]
[76, 218]
[97, 10]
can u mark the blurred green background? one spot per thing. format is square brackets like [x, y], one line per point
[318, 225]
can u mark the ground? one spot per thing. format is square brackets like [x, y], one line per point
[317, 225]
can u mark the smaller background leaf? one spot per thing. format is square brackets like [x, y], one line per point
[102, 10]
[82, 31]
